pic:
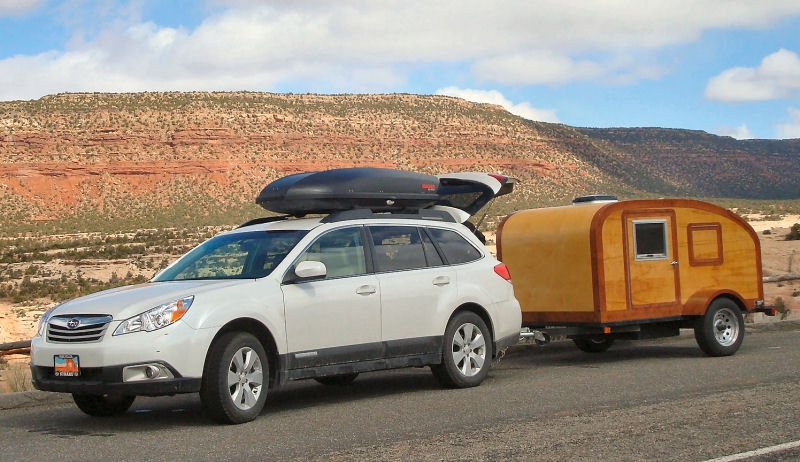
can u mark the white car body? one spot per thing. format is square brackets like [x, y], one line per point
[309, 328]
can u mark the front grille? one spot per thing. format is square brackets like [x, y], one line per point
[77, 329]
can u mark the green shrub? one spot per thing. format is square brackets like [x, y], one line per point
[794, 233]
[780, 307]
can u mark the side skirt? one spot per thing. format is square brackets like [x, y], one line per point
[393, 354]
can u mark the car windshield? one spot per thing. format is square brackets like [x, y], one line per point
[246, 255]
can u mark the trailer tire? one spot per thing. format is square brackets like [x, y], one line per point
[594, 344]
[721, 330]
[466, 353]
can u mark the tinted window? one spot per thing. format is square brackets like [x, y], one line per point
[456, 249]
[342, 252]
[397, 248]
[434, 259]
[234, 256]
[650, 238]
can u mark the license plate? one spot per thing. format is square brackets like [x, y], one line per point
[67, 366]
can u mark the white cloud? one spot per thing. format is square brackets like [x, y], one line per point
[740, 133]
[536, 68]
[375, 46]
[777, 77]
[15, 7]
[524, 109]
[790, 129]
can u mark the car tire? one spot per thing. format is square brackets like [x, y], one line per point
[337, 380]
[466, 353]
[103, 405]
[721, 330]
[236, 378]
[594, 344]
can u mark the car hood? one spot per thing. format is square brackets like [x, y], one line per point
[124, 302]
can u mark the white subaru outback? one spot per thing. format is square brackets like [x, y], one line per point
[283, 299]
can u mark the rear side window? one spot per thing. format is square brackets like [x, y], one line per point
[397, 248]
[456, 249]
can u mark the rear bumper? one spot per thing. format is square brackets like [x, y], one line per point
[503, 343]
[760, 307]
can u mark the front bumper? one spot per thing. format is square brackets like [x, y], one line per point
[108, 380]
[178, 349]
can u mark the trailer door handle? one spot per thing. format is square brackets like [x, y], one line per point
[441, 281]
[366, 290]
[674, 263]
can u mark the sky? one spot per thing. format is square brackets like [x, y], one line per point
[728, 67]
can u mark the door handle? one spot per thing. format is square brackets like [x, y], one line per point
[366, 290]
[441, 281]
[674, 263]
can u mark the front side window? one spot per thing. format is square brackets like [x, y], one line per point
[342, 252]
[246, 255]
[397, 248]
[650, 239]
[456, 249]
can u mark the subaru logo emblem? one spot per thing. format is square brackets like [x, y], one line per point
[73, 323]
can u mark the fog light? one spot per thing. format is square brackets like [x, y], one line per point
[152, 371]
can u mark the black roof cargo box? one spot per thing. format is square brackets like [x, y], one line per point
[378, 189]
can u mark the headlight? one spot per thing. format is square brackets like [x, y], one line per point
[43, 321]
[156, 318]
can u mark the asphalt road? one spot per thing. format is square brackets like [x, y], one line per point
[652, 400]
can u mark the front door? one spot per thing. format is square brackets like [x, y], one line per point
[336, 319]
[652, 262]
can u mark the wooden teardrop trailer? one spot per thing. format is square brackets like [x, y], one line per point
[596, 271]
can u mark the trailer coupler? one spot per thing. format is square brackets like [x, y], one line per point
[538, 336]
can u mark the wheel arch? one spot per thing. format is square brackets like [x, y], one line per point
[259, 331]
[484, 315]
[699, 302]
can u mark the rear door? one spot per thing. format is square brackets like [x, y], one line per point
[415, 286]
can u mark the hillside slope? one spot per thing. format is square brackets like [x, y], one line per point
[695, 163]
[122, 161]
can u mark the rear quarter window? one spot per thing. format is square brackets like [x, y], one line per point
[455, 247]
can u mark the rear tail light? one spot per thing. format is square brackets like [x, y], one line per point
[502, 271]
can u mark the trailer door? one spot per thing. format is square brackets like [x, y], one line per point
[651, 262]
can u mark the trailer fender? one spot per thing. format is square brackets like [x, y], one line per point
[697, 303]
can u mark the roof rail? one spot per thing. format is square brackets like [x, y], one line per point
[258, 221]
[366, 214]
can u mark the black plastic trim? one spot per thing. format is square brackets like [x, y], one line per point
[108, 380]
[364, 357]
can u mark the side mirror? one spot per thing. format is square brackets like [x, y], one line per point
[308, 269]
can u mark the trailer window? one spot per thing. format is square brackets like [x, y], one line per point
[650, 239]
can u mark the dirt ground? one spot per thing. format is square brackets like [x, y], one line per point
[779, 256]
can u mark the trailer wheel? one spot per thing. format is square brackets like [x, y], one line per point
[467, 353]
[721, 330]
[235, 381]
[594, 344]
